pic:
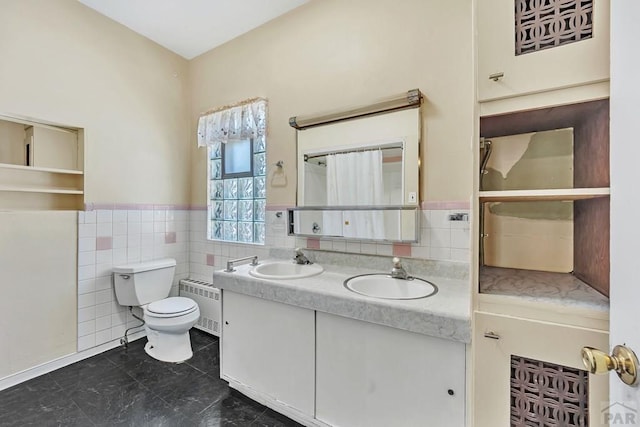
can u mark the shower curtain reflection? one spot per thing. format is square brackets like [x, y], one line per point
[356, 179]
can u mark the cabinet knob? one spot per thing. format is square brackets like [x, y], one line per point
[622, 360]
[496, 76]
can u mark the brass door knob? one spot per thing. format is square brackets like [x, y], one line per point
[622, 360]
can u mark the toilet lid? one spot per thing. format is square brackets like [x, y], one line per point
[172, 306]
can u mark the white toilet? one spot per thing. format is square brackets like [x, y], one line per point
[167, 320]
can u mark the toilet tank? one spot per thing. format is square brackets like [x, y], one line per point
[145, 282]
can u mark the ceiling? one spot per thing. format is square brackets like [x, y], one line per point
[192, 27]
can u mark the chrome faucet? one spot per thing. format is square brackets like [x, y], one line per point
[300, 258]
[398, 271]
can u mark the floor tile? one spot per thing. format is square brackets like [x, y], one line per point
[233, 410]
[207, 360]
[200, 340]
[271, 418]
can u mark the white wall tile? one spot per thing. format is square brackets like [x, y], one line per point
[86, 272]
[104, 215]
[103, 336]
[86, 286]
[86, 258]
[86, 300]
[86, 244]
[439, 219]
[86, 314]
[103, 323]
[462, 255]
[86, 342]
[86, 230]
[119, 242]
[440, 238]
[104, 229]
[90, 217]
[103, 297]
[460, 238]
[121, 228]
[119, 216]
[104, 257]
[86, 328]
[146, 215]
[441, 254]
[103, 309]
[134, 217]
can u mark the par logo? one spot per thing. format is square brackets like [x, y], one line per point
[619, 414]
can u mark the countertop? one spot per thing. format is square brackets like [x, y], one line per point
[446, 314]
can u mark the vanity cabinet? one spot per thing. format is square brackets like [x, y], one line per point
[516, 356]
[582, 61]
[371, 375]
[269, 348]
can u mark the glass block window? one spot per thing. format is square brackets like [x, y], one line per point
[237, 191]
[546, 394]
[543, 24]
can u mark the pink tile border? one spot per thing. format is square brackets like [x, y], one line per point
[211, 260]
[313, 243]
[431, 205]
[104, 243]
[402, 249]
[170, 237]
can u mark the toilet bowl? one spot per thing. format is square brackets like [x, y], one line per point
[167, 323]
[167, 319]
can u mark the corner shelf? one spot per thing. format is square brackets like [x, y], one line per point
[53, 190]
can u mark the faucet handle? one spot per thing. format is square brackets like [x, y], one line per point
[396, 262]
[299, 251]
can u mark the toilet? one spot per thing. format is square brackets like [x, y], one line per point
[167, 320]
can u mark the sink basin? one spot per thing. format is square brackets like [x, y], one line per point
[285, 270]
[384, 286]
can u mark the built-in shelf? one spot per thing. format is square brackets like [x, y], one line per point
[22, 189]
[40, 169]
[562, 194]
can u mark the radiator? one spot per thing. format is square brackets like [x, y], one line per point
[208, 299]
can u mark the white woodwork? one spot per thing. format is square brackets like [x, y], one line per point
[543, 341]
[625, 176]
[558, 194]
[370, 375]
[269, 347]
[579, 63]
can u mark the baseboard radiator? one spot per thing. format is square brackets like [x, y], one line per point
[208, 299]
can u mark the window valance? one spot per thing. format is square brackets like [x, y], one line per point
[244, 120]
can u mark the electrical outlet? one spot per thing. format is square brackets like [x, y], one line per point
[412, 197]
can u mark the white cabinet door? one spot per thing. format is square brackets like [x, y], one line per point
[370, 375]
[270, 348]
[585, 61]
[541, 341]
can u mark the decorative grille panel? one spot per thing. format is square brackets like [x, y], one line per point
[543, 24]
[548, 395]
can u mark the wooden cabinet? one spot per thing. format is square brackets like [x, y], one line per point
[544, 192]
[371, 375]
[581, 62]
[41, 165]
[499, 339]
[269, 348]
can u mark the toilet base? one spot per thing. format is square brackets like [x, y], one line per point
[168, 347]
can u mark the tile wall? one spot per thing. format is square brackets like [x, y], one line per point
[440, 239]
[108, 237]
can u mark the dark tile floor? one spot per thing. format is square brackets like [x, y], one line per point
[126, 387]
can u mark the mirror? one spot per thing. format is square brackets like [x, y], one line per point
[358, 179]
[371, 161]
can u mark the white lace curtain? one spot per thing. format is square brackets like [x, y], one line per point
[245, 120]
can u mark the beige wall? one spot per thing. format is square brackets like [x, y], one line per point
[62, 62]
[330, 54]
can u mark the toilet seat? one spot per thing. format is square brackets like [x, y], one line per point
[171, 307]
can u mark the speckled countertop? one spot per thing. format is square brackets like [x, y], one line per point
[539, 286]
[447, 314]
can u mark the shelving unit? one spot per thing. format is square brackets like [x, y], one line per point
[556, 230]
[41, 165]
